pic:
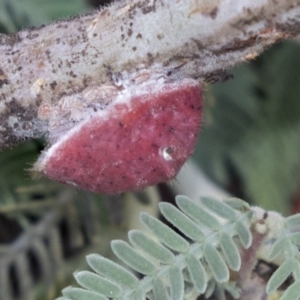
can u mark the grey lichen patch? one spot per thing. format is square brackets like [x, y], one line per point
[214, 12]
[9, 40]
[123, 9]
[37, 86]
[145, 7]
[3, 78]
[44, 111]
[32, 35]
[208, 8]
[141, 76]
[53, 85]
[93, 25]
[99, 94]
[20, 113]
[19, 124]
[2, 74]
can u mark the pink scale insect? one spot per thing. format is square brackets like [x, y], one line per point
[142, 138]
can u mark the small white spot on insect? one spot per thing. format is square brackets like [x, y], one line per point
[37, 86]
[166, 153]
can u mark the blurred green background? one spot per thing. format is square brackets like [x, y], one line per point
[249, 145]
[251, 138]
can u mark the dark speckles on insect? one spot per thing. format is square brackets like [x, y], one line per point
[134, 141]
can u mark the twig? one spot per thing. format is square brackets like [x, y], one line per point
[29, 206]
[53, 77]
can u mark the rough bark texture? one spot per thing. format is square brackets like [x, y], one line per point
[53, 77]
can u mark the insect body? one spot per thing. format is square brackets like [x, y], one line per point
[139, 142]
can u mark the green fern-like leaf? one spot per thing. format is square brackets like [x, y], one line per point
[197, 273]
[71, 293]
[160, 290]
[292, 292]
[286, 246]
[281, 274]
[166, 235]
[146, 244]
[182, 222]
[216, 263]
[198, 213]
[110, 270]
[230, 251]
[98, 284]
[173, 266]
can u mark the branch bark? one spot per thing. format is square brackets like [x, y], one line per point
[53, 77]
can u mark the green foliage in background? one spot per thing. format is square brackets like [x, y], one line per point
[178, 267]
[173, 266]
[251, 137]
[15, 15]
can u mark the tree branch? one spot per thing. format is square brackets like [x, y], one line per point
[53, 77]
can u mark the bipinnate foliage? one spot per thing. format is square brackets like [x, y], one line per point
[197, 260]
[173, 265]
[287, 245]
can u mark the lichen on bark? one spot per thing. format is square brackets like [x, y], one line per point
[199, 39]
